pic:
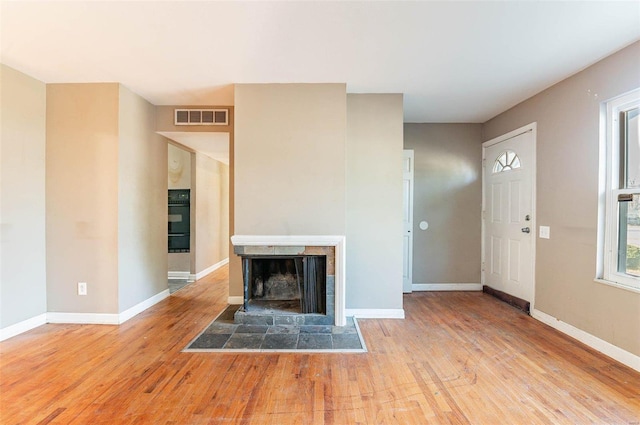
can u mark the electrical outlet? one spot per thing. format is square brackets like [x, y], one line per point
[82, 288]
[545, 232]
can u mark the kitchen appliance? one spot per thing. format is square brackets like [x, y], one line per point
[179, 220]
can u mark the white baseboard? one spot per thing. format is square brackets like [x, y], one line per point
[24, 326]
[375, 313]
[106, 318]
[140, 307]
[84, 318]
[179, 275]
[211, 269]
[81, 318]
[446, 287]
[193, 277]
[235, 300]
[594, 342]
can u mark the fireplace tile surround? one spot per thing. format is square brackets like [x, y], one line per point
[333, 247]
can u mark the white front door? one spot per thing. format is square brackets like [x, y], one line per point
[508, 213]
[407, 220]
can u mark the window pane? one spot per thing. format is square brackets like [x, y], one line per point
[629, 237]
[632, 133]
[507, 161]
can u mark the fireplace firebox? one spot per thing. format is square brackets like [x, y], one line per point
[291, 284]
[291, 280]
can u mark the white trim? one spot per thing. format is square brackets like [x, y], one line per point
[609, 189]
[81, 318]
[340, 283]
[618, 285]
[604, 347]
[407, 283]
[510, 135]
[142, 306]
[447, 287]
[24, 326]
[235, 300]
[533, 128]
[375, 313]
[211, 269]
[178, 275]
[286, 240]
[84, 318]
[106, 318]
[337, 241]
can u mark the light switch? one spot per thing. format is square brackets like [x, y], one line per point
[545, 232]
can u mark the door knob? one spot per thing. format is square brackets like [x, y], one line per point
[526, 230]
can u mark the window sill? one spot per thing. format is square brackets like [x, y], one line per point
[629, 288]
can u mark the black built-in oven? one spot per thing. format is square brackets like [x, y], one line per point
[179, 220]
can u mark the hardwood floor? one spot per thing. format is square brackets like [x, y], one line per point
[458, 358]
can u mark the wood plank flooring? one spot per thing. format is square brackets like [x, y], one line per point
[458, 358]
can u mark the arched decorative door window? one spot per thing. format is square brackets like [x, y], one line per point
[506, 161]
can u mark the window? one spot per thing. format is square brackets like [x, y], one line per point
[506, 161]
[622, 211]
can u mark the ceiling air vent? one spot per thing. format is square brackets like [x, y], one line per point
[201, 117]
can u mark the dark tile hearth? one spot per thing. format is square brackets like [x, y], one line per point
[224, 334]
[280, 341]
[314, 341]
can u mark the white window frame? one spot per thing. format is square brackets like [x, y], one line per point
[607, 270]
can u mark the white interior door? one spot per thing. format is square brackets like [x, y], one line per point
[508, 214]
[407, 220]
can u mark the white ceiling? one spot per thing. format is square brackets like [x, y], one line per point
[454, 61]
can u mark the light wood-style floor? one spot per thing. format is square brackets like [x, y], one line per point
[458, 358]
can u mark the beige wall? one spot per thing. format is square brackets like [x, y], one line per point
[179, 168]
[374, 201]
[22, 197]
[179, 262]
[235, 264]
[142, 203]
[289, 161]
[211, 212]
[223, 219]
[82, 197]
[568, 117]
[106, 199]
[448, 196]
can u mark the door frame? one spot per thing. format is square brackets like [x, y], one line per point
[534, 171]
[409, 288]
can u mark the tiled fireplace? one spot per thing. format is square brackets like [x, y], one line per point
[292, 280]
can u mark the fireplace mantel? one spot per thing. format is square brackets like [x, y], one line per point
[337, 241]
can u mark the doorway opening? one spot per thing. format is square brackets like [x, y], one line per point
[198, 222]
